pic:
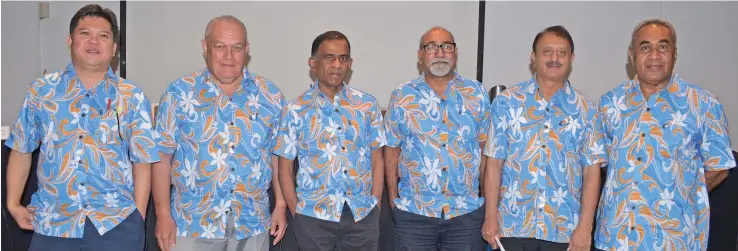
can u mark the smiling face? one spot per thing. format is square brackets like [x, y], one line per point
[92, 44]
[552, 57]
[225, 49]
[653, 53]
[438, 53]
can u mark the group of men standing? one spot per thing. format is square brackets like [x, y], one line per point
[461, 172]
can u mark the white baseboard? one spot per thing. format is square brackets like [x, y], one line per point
[5, 132]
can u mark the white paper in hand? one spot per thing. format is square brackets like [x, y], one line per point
[499, 245]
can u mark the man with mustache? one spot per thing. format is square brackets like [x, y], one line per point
[436, 128]
[543, 171]
[217, 128]
[96, 148]
[668, 147]
[337, 133]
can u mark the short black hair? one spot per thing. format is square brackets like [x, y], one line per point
[94, 10]
[328, 35]
[557, 30]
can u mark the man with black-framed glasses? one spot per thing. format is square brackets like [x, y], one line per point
[337, 133]
[436, 127]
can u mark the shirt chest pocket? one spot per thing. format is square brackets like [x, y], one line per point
[259, 125]
[463, 122]
[682, 138]
[569, 132]
[113, 128]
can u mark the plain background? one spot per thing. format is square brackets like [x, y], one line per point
[163, 42]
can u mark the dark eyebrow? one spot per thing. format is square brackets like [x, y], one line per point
[433, 42]
[660, 41]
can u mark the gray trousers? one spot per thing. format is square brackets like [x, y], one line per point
[230, 243]
[314, 234]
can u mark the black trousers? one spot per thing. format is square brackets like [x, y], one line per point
[531, 244]
[415, 232]
[314, 234]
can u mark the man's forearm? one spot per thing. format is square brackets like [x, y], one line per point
[492, 179]
[287, 183]
[391, 160]
[275, 183]
[714, 178]
[141, 185]
[378, 173]
[161, 185]
[19, 165]
[590, 196]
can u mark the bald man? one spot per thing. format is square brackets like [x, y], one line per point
[436, 126]
[217, 128]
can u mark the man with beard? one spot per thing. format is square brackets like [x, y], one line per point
[436, 128]
[96, 148]
[338, 135]
[217, 128]
[668, 145]
[545, 156]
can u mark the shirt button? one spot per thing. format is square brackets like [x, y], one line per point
[83, 115]
[547, 109]
[648, 109]
[339, 128]
[345, 171]
[233, 169]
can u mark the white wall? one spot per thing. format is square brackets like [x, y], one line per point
[164, 39]
[21, 60]
[30, 45]
[707, 39]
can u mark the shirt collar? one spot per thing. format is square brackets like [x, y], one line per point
[109, 75]
[246, 82]
[567, 90]
[454, 81]
[343, 93]
[674, 85]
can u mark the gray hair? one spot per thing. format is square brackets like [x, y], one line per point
[420, 43]
[656, 21]
[224, 18]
